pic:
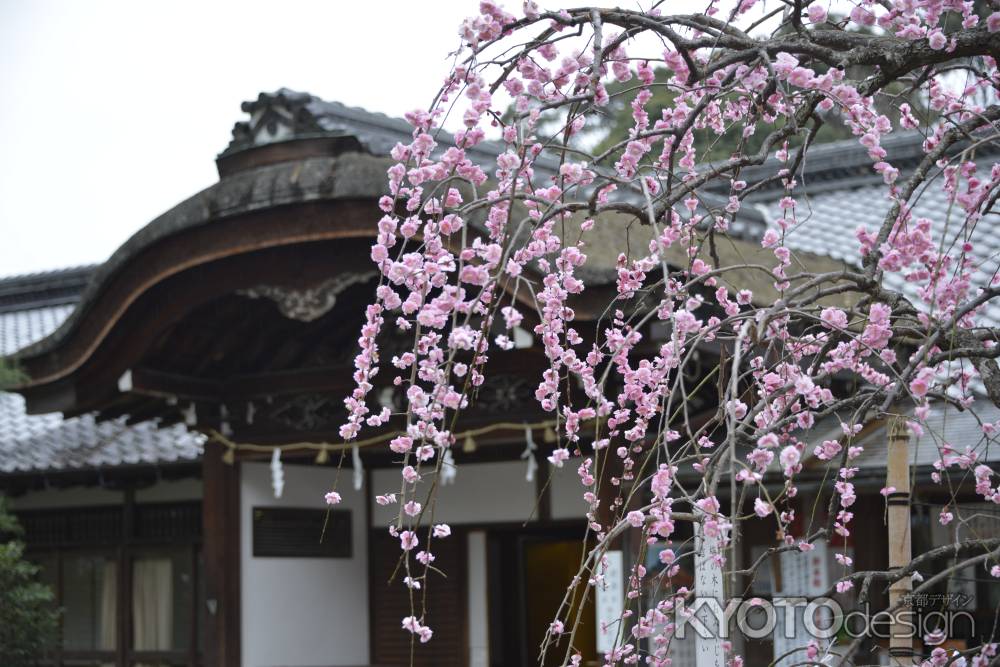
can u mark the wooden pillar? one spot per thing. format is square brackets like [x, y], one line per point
[900, 639]
[124, 572]
[221, 553]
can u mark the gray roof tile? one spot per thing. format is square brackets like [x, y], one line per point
[36, 443]
[829, 216]
[19, 329]
[943, 427]
[828, 222]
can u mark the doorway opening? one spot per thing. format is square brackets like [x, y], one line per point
[529, 572]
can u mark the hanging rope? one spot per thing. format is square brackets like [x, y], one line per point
[324, 448]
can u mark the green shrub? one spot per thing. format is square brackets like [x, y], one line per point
[28, 617]
[10, 374]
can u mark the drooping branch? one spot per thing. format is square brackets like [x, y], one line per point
[688, 349]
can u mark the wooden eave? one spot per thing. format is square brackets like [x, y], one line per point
[277, 205]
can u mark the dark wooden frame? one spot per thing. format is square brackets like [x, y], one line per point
[124, 549]
[535, 530]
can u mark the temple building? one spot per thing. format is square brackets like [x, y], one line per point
[170, 446]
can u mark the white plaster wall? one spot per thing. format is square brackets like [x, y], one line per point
[566, 491]
[479, 632]
[302, 612]
[482, 493]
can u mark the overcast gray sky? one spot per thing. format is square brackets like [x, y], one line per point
[113, 111]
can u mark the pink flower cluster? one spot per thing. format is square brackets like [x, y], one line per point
[467, 259]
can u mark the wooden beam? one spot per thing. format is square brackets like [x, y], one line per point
[149, 382]
[221, 534]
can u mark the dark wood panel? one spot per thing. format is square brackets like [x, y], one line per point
[291, 532]
[446, 605]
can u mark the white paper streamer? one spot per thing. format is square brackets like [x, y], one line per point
[529, 453]
[448, 470]
[277, 473]
[190, 414]
[359, 470]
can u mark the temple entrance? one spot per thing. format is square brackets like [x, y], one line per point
[529, 573]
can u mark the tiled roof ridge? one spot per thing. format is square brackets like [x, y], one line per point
[44, 288]
[45, 274]
[305, 115]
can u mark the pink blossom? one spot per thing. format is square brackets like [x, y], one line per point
[937, 40]
[834, 318]
[761, 508]
[709, 505]
[635, 518]
[817, 13]
[768, 441]
[408, 540]
[559, 457]
[401, 444]
[789, 458]
[862, 16]
[920, 385]
[827, 450]
[332, 498]
[934, 638]
[662, 481]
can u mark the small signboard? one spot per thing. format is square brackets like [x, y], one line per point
[610, 597]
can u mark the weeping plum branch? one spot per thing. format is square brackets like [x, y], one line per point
[467, 253]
